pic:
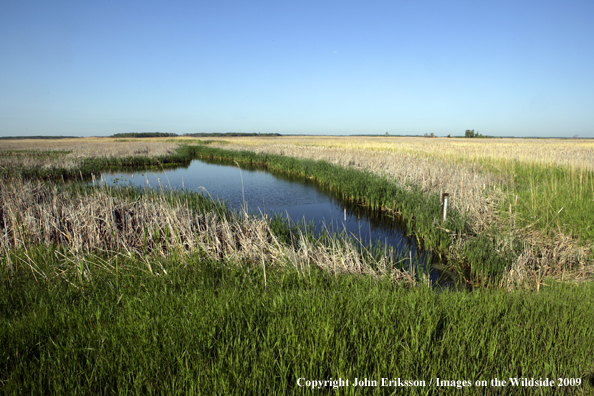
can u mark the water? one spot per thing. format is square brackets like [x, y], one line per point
[261, 191]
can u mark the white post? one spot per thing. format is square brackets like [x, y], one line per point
[444, 206]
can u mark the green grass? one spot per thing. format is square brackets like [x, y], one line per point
[551, 199]
[214, 328]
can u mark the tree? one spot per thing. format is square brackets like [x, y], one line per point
[469, 133]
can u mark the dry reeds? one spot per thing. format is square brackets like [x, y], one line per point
[68, 153]
[561, 258]
[566, 152]
[34, 213]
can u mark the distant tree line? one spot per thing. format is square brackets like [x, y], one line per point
[170, 134]
[223, 134]
[39, 137]
[143, 134]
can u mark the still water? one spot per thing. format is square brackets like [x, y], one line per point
[261, 191]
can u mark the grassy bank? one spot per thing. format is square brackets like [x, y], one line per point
[550, 199]
[204, 327]
[76, 158]
[86, 167]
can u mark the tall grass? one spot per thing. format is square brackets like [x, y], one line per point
[207, 327]
[550, 199]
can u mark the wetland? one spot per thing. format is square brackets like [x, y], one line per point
[260, 192]
[118, 288]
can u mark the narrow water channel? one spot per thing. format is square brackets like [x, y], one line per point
[260, 191]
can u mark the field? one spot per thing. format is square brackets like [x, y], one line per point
[118, 290]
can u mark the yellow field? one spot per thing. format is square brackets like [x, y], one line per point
[571, 152]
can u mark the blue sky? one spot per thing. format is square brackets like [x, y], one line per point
[99, 67]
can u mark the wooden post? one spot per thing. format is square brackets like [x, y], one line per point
[444, 206]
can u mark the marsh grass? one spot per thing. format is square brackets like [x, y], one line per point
[56, 168]
[71, 158]
[552, 199]
[210, 327]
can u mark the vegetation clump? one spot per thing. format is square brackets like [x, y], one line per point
[469, 133]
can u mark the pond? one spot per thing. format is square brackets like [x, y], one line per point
[260, 191]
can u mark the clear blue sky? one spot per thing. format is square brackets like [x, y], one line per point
[99, 67]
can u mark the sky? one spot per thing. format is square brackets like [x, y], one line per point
[100, 67]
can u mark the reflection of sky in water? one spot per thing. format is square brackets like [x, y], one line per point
[265, 192]
[260, 188]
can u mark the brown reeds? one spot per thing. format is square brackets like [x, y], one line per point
[560, 257]
[34, 213]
